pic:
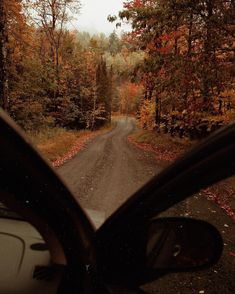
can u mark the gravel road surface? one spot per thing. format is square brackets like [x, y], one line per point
[110, 169]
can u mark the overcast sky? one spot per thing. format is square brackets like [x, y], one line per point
[93, 15]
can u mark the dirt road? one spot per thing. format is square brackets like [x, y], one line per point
[110, 169]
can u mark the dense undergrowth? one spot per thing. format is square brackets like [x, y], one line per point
[55, 142]
[59, 144]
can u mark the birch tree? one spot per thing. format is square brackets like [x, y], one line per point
[52, 16]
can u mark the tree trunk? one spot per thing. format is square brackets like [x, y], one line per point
[208, 51]
[189, 57]
[157, 110]
[190, 32]
[3, 58]
[93, 113]
[57, 72]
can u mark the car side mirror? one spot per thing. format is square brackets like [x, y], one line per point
[181, 244]
[163, 245]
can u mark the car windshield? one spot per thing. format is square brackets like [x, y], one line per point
[113, 94]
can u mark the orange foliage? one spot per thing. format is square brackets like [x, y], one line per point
[129, 94]
[147, 115]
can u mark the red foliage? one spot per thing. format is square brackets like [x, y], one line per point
[131, 38]
[168, 37]
[78, 146]
[162, 154]
[133, 4]
[134, 88]
[222, 195]
[165, 50]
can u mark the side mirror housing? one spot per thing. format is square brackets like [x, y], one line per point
[163, 245]
[181, 244]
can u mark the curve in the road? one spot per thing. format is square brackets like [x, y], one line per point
[109, 170]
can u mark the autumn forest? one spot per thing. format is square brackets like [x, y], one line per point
[174, 71]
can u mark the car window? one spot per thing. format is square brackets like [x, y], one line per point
[214, 205]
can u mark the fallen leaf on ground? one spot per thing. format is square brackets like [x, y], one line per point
[78, 146]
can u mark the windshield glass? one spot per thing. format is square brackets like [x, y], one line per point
[112, 94]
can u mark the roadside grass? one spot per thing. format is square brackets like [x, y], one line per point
[164, 142]
[53, 143]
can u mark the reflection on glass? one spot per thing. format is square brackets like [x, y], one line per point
[179, 245]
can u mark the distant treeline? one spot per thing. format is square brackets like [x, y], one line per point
[52, 76]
